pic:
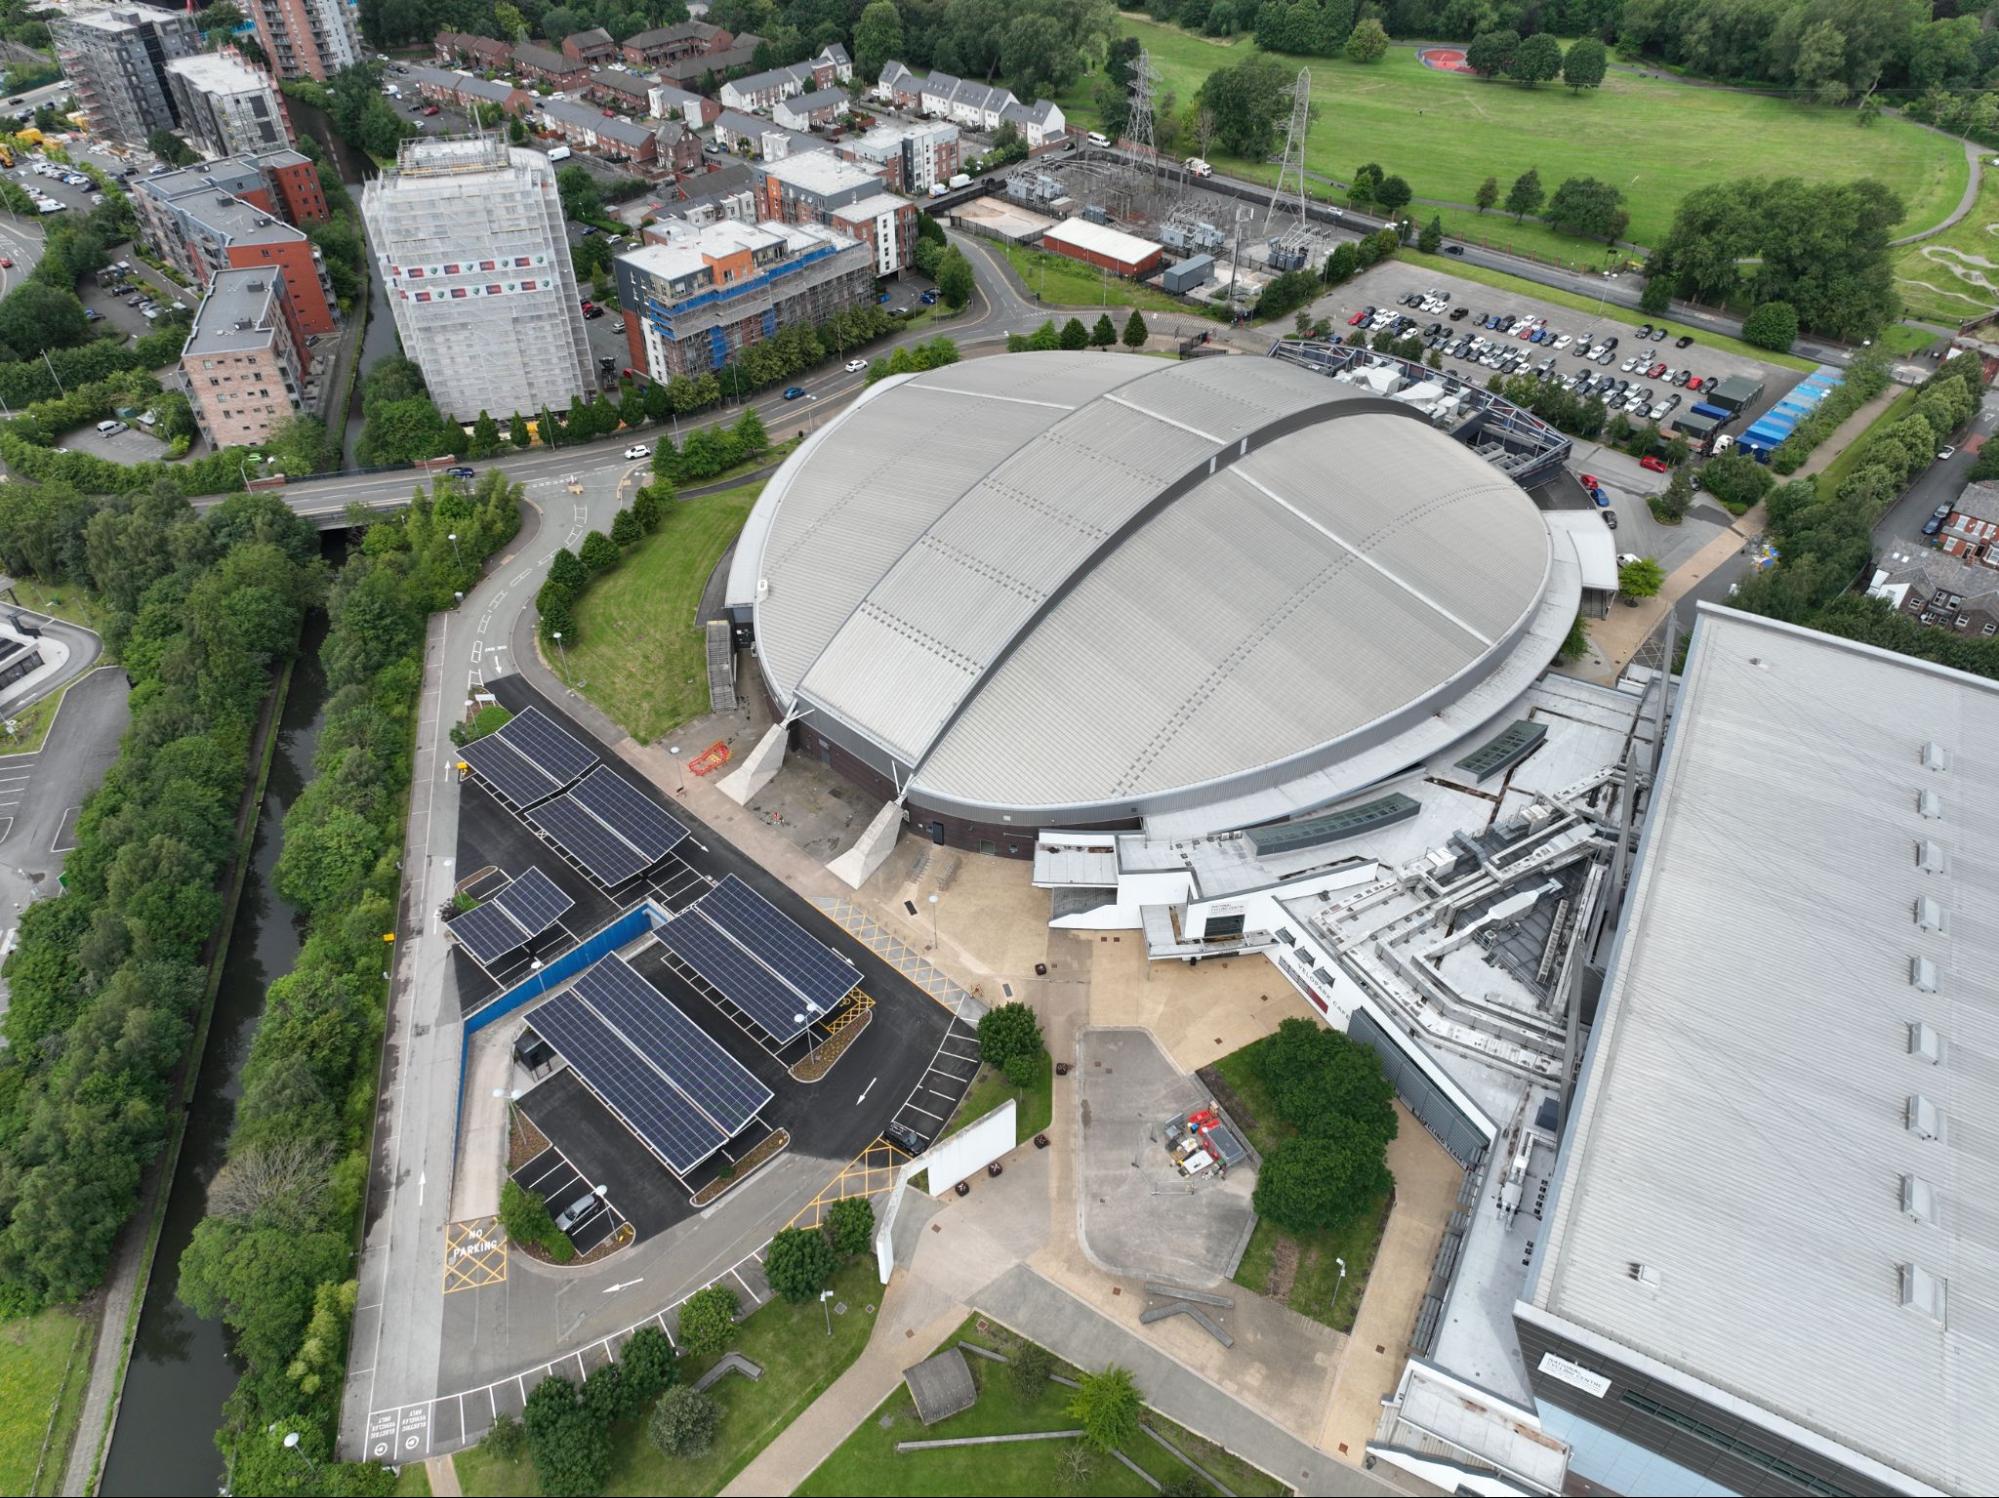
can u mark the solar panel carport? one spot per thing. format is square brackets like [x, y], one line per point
[511, 919]
[759, 959]
[609, 827]
[527, 758]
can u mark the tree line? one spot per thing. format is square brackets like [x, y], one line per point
[107, 983]
[272, 1257]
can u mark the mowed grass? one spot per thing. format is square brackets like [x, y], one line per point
[30, 726]
[1653, 138]
[640, 654]
[1955, 275]
[799, 1361]
[1309, 1259]
[38, 1403]
[1034, 1104]
[867, 1461]
[1064, 284]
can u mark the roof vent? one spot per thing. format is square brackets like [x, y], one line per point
[1930, 804]
[1929, 914]
[1923, 1291]
[1929, 856]
[1923, 973]
[1925, 1042]
[1924, 1120]
[1919, 1199]
[1646, 1275]
[1935, 756]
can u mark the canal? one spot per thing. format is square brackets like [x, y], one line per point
[182, 1367]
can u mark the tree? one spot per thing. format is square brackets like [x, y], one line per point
[298, 445]
[954, 278]
[571, 1450]
[1315, 1075]
[1367, 42]
[1773, 325]
[683, 1423]
[1340, 264]
[1487, 195]
[1028, 1371]
[1524, 196]
[850, 1223]
[1432, 238]
[650, 1366]
[1821, 66]
[485, 437]
[1738, 480]
[1247, 101]
[1584, 64]
[600, 553]
[649, 505]
[1011, 1029]
[1491, 52]
[1107, 1406]
[708, 1320]
[1134, 330]
[1104, 334]
[1537, 59]
[1588, 209]
[1075, 335]
[798, 1264]
[1641, 577]
[1657, 295]
[1393, 194]
[626, 531]
[582, 198]
[525, 1215]
[1325, 1180]
[1671, 507]
[1575, 644]
[34, 317]
[170, 148]
[1038, 55]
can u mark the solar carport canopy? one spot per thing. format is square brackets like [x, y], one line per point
[759, 959]
[609, 826]
[512, 918]
[664, 1077]
[528, 757]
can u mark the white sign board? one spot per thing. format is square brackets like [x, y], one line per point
[1575, 1375]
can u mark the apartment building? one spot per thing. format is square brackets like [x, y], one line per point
[883, 222]
[911, 157]
[115, 58]
[307, 38]
[698, 295]
[468, 239]
[649, 49]
[243, 363]
[592, 48]
[241, 213]
[696, 111]
[226, 107]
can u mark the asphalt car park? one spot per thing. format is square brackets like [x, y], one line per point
[563, 1188]
[910, 1050]
[133, 445]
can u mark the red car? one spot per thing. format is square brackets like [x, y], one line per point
[1655, 465]
[588, 304]
[1357, 319]
[1655, 371]
[1590, 481]
[5, 263]
[430, 109]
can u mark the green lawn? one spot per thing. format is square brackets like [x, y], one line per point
[1834, 473]
[641, 655]
[1590, 305]
[1653, 138]
[31, 726]
[413, 1481]
[867, 1461]
[799, 1361]
[1035, 1103]
[1901, 338]
[37, 1405]
[1955, 275]
[66, 601]
[1311, 1259]
[1066, 284]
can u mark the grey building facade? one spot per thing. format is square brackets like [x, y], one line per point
[116, 57]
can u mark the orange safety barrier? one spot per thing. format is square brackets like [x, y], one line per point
[713, 757]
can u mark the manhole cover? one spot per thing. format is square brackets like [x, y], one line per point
[839, 1308]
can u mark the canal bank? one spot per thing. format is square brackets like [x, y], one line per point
[162, 1375]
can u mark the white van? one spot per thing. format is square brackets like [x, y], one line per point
[1199, 167]
[1099, 139]
[560, 153]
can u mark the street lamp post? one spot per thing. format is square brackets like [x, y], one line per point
[933, 923]
[456, 560]
[243, 466]
[679, 777]
[563, 651]
[824, 1296]
[1339, 1285]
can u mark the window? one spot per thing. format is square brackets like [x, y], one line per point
[1755, 1456]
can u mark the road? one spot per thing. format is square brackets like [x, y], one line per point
[1938, 484]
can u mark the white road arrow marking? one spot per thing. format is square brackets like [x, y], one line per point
[866, 1090]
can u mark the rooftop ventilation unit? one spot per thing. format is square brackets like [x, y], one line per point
[1935, 756]
[1930, 914]
[1923, 974]
[1923, 1291]
[1924, 1120]
[1929, 856]
[1930, 804]
[1925, 1042]
[1919, 1199]
[1646, 1275]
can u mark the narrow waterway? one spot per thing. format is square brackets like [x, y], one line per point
[182, 1367]
[379, 342]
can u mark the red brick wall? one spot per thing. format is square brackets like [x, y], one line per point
[301, 279]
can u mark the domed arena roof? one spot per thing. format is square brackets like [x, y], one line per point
[1085, 587]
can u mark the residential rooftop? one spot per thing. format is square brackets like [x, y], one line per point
[238, 315]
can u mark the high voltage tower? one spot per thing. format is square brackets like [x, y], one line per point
[1293, 164]
[1138, 126]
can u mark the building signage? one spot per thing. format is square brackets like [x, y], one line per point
[1575, 1375]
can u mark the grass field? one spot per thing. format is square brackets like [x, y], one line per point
[1654, 139]
[37, 1403]
[1955, 275]
[640, 655]
[76, 604]
[1299, 1269]
[1064, 283]
[31, 726]
[799, 1360]
[1498, 278]
[1035, 1104]
[413, 1481]
[1834, 473]
[867, 1461]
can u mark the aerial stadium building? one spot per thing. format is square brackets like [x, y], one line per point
[1092, 590]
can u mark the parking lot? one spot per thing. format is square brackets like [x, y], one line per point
[566, 1189]
[133, 445]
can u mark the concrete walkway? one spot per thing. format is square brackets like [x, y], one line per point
[443, 1474]
[1975, 162]
[1620, 636]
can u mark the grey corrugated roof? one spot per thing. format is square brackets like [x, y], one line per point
[1740, 1130]
[1020, 616]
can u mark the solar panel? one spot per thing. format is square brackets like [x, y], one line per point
[535, 901]
[743, 981]
[806, 962]
[487, 932]
[507, 771]
[629, 813]
[608, 858]
[718, 1084]
[625, 1084]
[547, 744]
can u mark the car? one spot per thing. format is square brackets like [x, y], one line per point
[638, 450]
[1609, 518]
[794, 392]
[575, 1212]
[1454, 249]
[1932, 525]
[1459, 314]
[460, 471]
[1590, 480]
[1357, 319]
[1659, 335]
[588, 304]
[6, 263]
[1606, 356]
[1685, 340]
[431, 109]
[618, 326]
[929, 298]
[882, 299]
[1683, 378]
[593, 312]
[1629, 364]
[1946, 453]
[1601, 500]
[1654, 371]
[91, 314]
[1652, 464]
[1645, 330]
[855, 366]
[111, 428]
[586, 231]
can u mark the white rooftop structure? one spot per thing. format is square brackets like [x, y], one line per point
[1777, 1194]
[1101, 239]
[689, 247]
